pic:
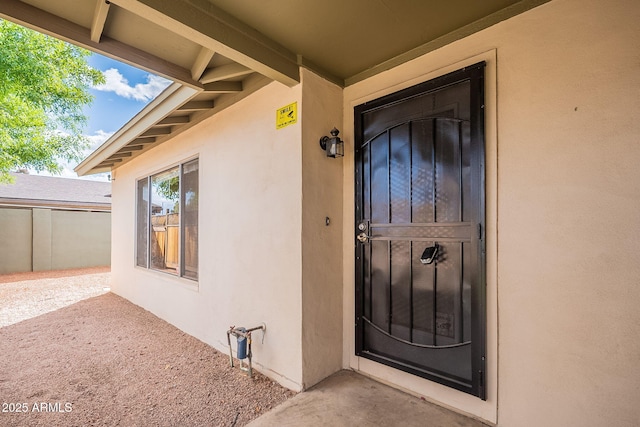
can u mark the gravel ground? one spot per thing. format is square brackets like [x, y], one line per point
[27, 295]
[102, 361]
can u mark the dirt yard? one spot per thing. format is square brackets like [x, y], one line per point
[102, 361]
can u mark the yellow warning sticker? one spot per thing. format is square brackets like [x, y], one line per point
[286, 116]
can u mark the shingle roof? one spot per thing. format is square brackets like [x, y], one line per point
[38, 190]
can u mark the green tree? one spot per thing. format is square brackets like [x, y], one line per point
[44, 85]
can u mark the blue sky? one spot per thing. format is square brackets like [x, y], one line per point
[126, 91]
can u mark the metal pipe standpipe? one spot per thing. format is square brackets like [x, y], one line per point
[243, 349]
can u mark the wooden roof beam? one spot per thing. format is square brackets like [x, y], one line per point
[162, 106]
[119, 155]
[201, 62]
[131, 148]
[45, 22]
[109, 163]
[196, 106]
[223, 87]
[144, 141]
[209, 26]
[175, 120]
[159, 131]
[99, 19]
[225, 72]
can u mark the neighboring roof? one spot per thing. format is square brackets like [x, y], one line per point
[53, 192]
[220, 51]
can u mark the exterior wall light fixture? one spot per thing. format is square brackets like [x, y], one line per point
[333, 145]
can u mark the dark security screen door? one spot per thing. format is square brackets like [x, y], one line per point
[419, 230]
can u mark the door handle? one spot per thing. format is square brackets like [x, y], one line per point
[363, 227]
[363, 237]
[429, 255]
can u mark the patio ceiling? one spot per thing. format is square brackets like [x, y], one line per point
[219, 51]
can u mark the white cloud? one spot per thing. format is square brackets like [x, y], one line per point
[96, 140]
[145, 92]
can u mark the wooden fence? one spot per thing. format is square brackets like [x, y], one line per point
[165, 246]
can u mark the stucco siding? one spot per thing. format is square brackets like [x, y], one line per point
[562, 189]
[250, 211]
[562, 203]
[569, 195]
[321, 242]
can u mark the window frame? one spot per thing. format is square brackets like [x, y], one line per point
[147, 180]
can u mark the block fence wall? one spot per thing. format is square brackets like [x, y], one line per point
[35, 239]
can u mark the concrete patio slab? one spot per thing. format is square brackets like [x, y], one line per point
[349, 399]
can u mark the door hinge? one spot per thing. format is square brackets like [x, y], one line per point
[481, 383]
[480, 231]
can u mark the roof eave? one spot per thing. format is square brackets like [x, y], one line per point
[54, 204]
[164, 104]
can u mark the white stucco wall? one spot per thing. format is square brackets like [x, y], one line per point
[562, 200]
[249, 238]
[563, 196]
[321, 244]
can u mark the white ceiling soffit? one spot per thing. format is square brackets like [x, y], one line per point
[208, 75]
[344, 41]
[173, 40]
[219, 51]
